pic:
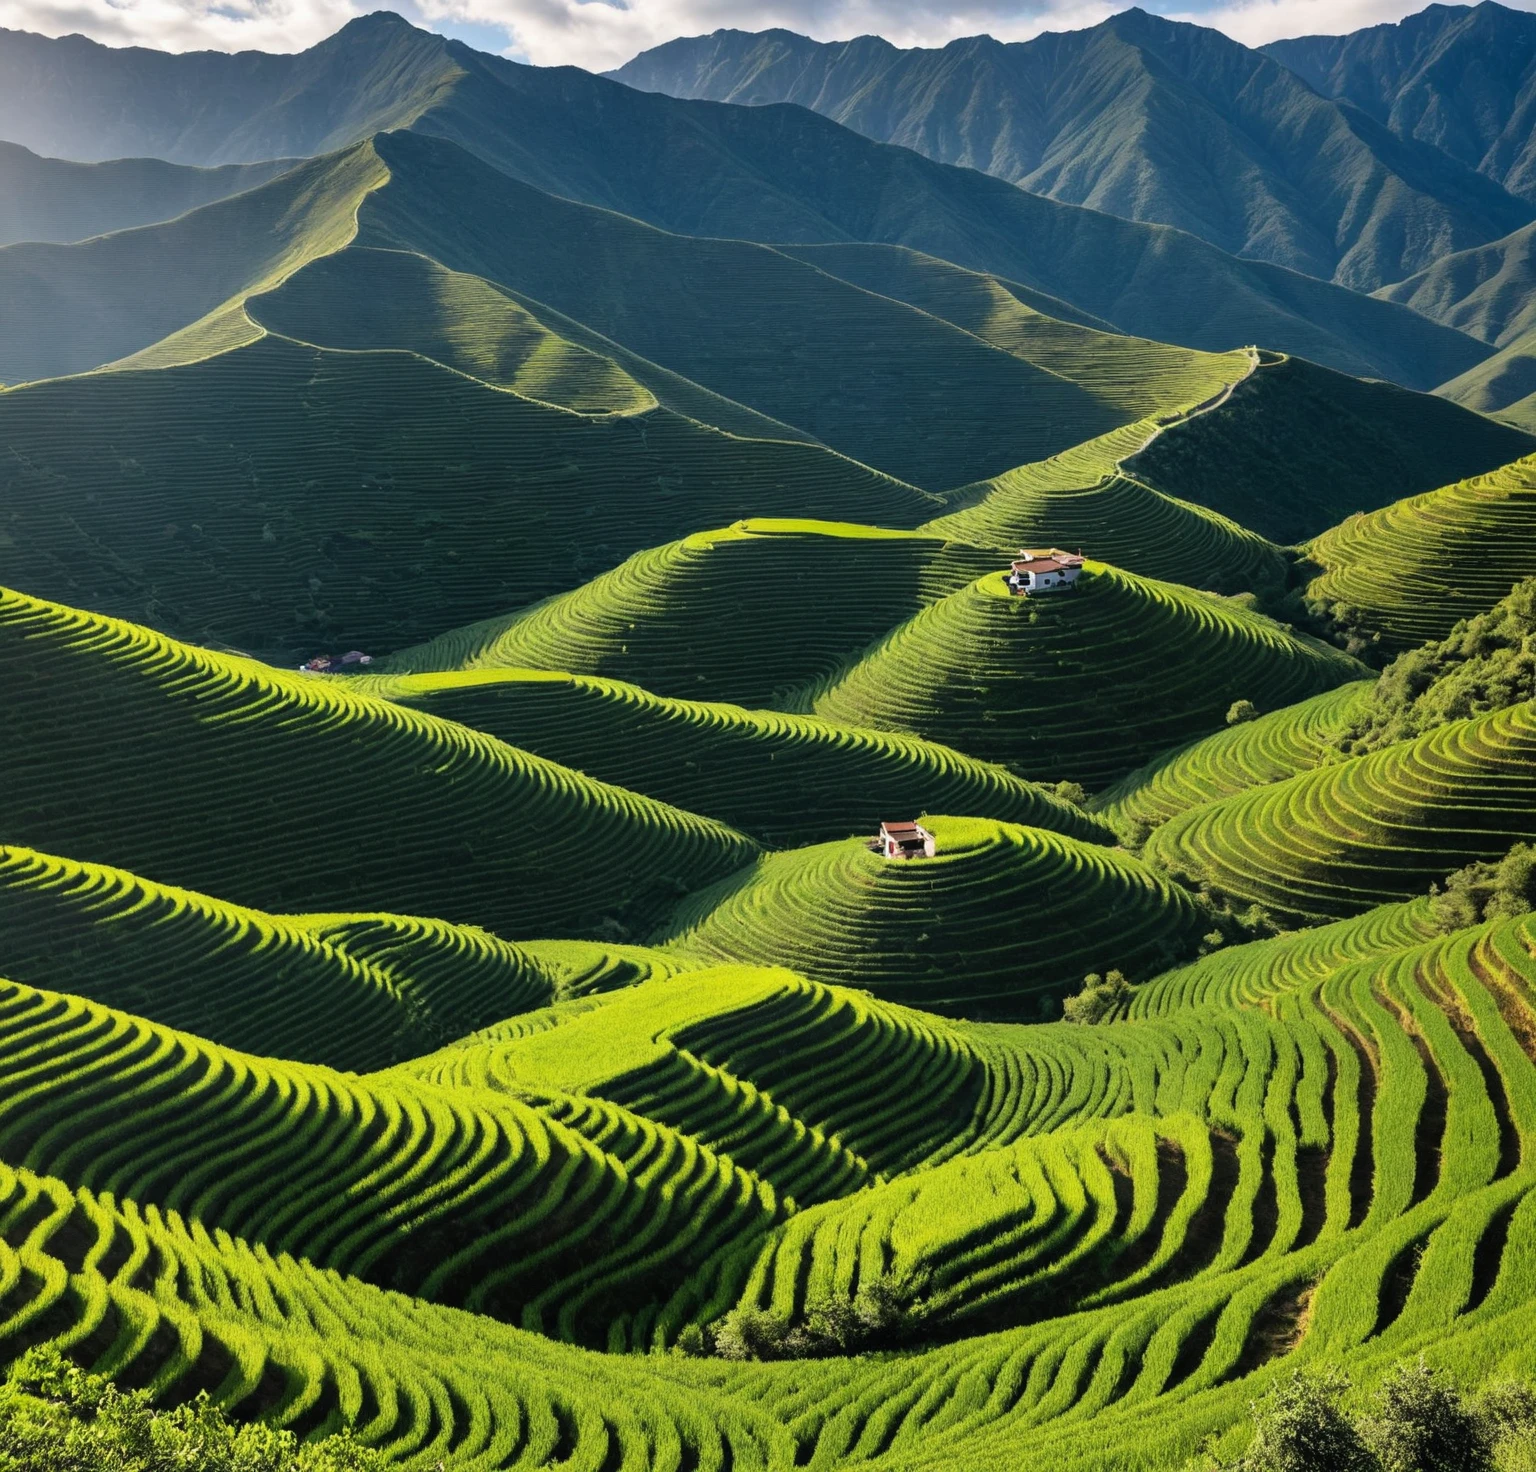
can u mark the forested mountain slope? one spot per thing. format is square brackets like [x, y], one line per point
[1142, 117]
[768, 174]
[1459, 77]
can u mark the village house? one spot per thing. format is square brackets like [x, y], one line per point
[905, 841]
[1047, 570]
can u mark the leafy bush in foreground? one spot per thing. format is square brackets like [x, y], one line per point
[1482, 891]
[54, 1417]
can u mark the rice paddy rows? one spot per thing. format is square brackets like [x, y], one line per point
[1001, 923]
[784, 779]
[290, 500]
[1345, 837]
[1026, 681]
[1082, 498]
[290, 792]
[747, 614]
[1271, 748]
[470, 1198]
[1416, 567]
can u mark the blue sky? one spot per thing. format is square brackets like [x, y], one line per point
[599, 34]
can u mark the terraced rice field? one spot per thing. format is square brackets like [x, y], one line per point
[747, 614]
[1027, 681]
[288, 500]
[1345, 837]
[1002, 922]
[1083, 499]
[784, 779]
[287, 792]
[1271, 748]
[1416, 567]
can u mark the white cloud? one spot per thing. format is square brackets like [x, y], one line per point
[187, 25]
[1254, 22]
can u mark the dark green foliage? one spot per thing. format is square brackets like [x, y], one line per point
[1487, 891]
[878, 1317]
[1486, 663]
[54, 1417]
[1240, 711]
[1422, 1424]
[1099, 998]
[1300, 1426]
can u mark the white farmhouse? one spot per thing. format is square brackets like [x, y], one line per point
[1044, 571]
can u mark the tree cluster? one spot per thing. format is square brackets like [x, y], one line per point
[877, 1317]
[55, 1417]
[1416, 1422]
[1484, 891]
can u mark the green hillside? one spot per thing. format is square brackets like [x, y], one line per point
[68, 308]
[1271, 748]
[1410, 571]
[1344, 837]
[1083, 498]
[747, 614]
[53, 199]
[885, 383]
[1297, 448]
[784, 779]
[948, 933]
[285, 792]
[288, 500]
[694, 168]
[464, 1198]
[1139, 116]
[1026, 681]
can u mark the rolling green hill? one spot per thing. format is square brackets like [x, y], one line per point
[1344, 837]
[1083, 498]
[68, 308]
[947, 933]
[785, 779]
[1297, 448]
[747, 614]
[1026, 681]
[287, 500]
[1413, 569]
[284, 792]
[53, 199]
[1140, 116]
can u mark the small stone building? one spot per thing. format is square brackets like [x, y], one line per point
[906, 841]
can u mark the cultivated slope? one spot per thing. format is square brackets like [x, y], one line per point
[748, 614]
[283, 792]
[1344, 837]
[1140, 116]
[785, 779]
[1293, 739]
[947, 933]
[291, 500]
[1411, 570]
[1297, 448]
[1028, 681]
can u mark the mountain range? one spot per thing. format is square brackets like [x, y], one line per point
[1281, 155]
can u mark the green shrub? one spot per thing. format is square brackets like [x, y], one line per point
[1099, 998]
[54, 1417]
[1486, 891]
[878, 1317]
[1300, 1426]
[1240, 711]
[1421, 1424]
